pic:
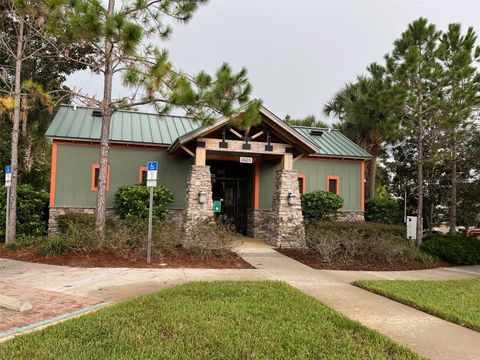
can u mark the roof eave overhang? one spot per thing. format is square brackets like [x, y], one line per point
[340, 157]
[91, 140]
[276, 123]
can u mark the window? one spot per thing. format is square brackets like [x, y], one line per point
[301, 183]
[96, 176]
[142, 175]
[333, 184]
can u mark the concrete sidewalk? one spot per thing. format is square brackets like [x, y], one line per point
[426, 334]
[111, 284]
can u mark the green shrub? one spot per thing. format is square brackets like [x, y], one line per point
[211, 237]
[383, 208]
[320, 205]
[32, 211]
[370, 230]
[23, 242]
[74, 220]
[348, 241]
[53, 246]
[131, 202]
[456, 249]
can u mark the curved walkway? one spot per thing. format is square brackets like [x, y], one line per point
[426, 334]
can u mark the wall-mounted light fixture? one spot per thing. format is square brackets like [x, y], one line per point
[202, 197]
[291, 198]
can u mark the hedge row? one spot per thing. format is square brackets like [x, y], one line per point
[456, 249]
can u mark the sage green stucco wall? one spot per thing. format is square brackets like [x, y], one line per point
[316, 172]
[74, 173]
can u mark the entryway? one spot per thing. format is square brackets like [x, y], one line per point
[232, 185]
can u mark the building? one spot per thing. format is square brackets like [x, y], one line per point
[258, 180]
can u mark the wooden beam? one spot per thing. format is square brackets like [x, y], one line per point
[287, 162]
[200, 156]
[240, 136]
[256, 135]
[297, 157]
[237, 146]
[187, 150]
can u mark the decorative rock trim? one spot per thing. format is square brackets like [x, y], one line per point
[286, 221]
[258, 221]
[351, 216]
[53, 212]
[198, 180]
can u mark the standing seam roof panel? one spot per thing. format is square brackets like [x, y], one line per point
[130, 126]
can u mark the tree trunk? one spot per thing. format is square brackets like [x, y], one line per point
[100, 213]
[430, 215]
[371, 175]
[453, 195]
[419, 229]
[12, 217]
[28, 155]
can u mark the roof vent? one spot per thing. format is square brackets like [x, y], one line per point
[316, 132]
[96, 113]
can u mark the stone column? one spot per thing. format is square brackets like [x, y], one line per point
[286, 221]
[199, 179]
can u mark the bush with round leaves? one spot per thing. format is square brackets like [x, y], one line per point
[32, 211]
[382, 208]
[131, 202]
[320, 205]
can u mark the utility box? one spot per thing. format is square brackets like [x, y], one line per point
[412, 227]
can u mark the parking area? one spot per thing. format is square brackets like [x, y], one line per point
[45, 305]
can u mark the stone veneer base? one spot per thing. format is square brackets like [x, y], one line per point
[286, 220]
[258, 222]
[199, 179]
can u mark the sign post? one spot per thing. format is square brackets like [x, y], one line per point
[152, 167]
[8, 184]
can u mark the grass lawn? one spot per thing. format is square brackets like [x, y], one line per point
[220, 320]
[457, 301]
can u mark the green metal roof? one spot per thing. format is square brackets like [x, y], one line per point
[332, 143]
[78, 123]
[126, 126]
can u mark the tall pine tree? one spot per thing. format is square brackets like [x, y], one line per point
[416, 72]
[121, 34]
[461, 95]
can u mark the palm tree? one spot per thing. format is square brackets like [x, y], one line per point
[362, 108]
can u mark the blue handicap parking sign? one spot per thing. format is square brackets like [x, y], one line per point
[152, 166]
[8, 169]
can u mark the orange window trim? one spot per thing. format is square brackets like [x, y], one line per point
[302, 176]
[256, 186]
[334, 177]
[141, 169]
[97, 166]
[362, 187]
[53, 175]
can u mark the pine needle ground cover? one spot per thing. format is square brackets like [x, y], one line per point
[457, 301]
[219, 320]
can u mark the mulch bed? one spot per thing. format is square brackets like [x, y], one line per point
[109, 258]
[363, 264]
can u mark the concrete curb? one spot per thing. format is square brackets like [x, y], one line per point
[7, 335]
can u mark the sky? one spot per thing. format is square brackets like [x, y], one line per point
[298, 53]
